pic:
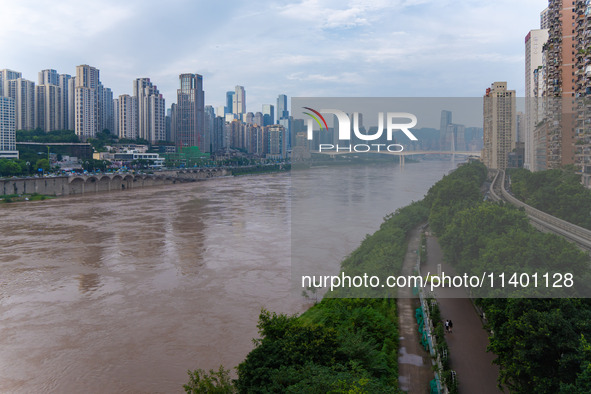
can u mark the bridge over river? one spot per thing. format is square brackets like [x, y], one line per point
[402, 155]
[90, 183]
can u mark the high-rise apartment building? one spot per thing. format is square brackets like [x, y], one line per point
[258, 118]
[105, 109]
[86, 101]
[217, 134]
[583, 90]
[209, 119]
[544, 23]
[151, 112]
[275, 141]
[7, 129]
[173, 120]
[189, 127]
[23, 91]
[234, 135]
[534, 42]
[251, 135]
[141, 91]
[48, 110]
[239, 101]
[67, 105]
[127, 116]
[560, 111]
[86, 112]
[48, 77]
[499, 109]
[71, 103]
[115, 130]
[7, 75]
[87, 76]
[540, 131]
[156, 117]
[65, 91]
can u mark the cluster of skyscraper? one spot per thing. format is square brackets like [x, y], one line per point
[190, 123]
[81, 103]
[558, 86]
[60, 101]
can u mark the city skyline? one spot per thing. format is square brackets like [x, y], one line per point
[309, 48]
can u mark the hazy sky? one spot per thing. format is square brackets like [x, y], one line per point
[300, 48]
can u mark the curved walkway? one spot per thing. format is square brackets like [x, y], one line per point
[468, 342]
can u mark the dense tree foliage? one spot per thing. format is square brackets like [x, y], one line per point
[537, 341]
[582, 383]
[558, 192]
[39, 135]
[453, 193]
[338, 346]
[11, 167]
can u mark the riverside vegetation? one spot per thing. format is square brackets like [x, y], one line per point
[558, 192]
[350, 345]
[540, 343]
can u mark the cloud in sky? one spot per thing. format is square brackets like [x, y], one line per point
[300, 48]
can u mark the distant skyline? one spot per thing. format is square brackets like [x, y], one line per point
[316, 48]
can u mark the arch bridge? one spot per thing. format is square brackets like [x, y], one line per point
[91, 183]
[84, 183]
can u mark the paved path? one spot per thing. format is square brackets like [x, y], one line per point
[468, 342]
[414, 363]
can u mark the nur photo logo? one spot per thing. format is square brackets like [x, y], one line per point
[394, 121]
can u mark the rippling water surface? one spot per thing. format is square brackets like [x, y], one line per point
[125, 291]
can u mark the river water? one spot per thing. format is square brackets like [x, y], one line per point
[126, 291]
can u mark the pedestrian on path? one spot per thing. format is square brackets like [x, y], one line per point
[447, 326]
[451, 326]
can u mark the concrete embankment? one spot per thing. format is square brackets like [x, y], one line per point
[80, 184]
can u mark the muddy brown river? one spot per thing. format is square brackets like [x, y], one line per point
[126, 291]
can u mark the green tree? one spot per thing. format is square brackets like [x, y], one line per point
[582, 384]
[43, 164]
[337, 346]
[9, 168]
[537, 341]
[214, 382]
[558, 192]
